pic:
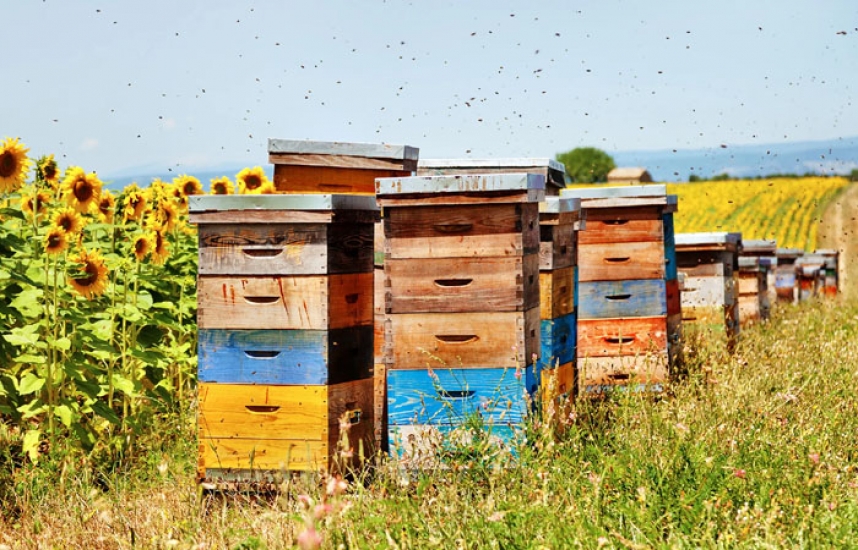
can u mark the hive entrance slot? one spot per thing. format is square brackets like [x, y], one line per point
[262, 299]
[262, 409]
[456, 394]
[457, 338]
[619, 339]
[262, 252]
[453, 282]
[452, 227]
[262, 354]
[619, 297]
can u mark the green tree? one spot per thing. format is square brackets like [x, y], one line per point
[853, 176]
[587, 164]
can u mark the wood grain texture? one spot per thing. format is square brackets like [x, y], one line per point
[421, 446]
[351, 419]
[450, 396]
[447, 285]
[557, 292]
[616, 337]
[531, 196]
[557, 383]
[708, 291]
[557, 246]
[285, 249]
[461, 231]
[598, 374]
[621, 261]
[470, 340]
[557, 340]
[608, 299]
[330, 179]
[380, 406]
[749, 309]
[241, 458]
[308, 302]
[612, 225]
[750, 282]
[405, 166]
[285, 356]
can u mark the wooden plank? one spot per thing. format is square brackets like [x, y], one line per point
[615, 337]
[670, 260]
[599, 374]
[612, 225]
[750, 282]
[446, 285]
[220, 456]
[558, 385]
[673, 297]
[422, 446]
[557, 292]
[281, 205]
[624, 191]
[246, 217]
[380, 406]
[461, 231]
[621, 261]
[263, 412]
[285, 356]
[451, 396]
[278, 146]
[472, 340]
[342, 161]
[557, 246]
[454, 199]
[324, 179]
[351, 422]
[470, 183]
[717, 240]
[557, 339]
[308, 302]
[749, 309]
[691, 269]
[285, 249]
[608, 299]
[708, 291]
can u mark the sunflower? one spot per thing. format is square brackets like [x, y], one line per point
[47, 171]
[222, 186]
[68, 220]
[253, 181]
[13, 165]
[90, 280]
[35, 203]
[167, 216]
[56, 241]
[143, 245]
[188, 185]
[106, 207]
[160, 246]
[81, 190]
[134, 205]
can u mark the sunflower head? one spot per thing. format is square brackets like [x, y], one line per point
[160, 246]
[13, 165]
[188, 185]
[134, 204]
[68, 221]
[253, 181]
[167, 215]
[56, 241]
[89, 278]
[105, 209]
[142, 245]
[48, 171]
[222, 186]
[35, 203]
[81, 190]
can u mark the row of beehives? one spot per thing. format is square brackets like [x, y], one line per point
[481, 286]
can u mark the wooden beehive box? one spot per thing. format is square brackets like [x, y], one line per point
[831, 282]
[553, 171]
[751, 290]
[810, 273]
[786, 283]
[462, 298]
[302, 166]
[710, 262]
[765, 252]
[285, 318]
[628, 295]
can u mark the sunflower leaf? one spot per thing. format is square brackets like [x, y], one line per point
[30, 444]
[29, 302]
[30, 383]
[123, 384]
[64, 413]
[29, 358]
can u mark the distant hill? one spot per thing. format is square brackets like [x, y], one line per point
[828, 157]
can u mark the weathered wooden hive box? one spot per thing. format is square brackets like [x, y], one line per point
[831, 282]
[786, 283]
[810, 276]
[462, 297]
[285, 319]
[553, 171]
[629, 327]
[710, 263]
[757, 263]
[302, 166]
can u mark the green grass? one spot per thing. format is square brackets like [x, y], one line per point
[756, 450]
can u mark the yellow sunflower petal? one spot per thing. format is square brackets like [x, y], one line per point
[14, 165]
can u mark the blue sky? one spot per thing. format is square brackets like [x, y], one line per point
[122, 86]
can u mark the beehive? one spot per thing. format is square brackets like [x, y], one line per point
[710, 263]
[628, 302]
[757, 261]
[786, 284]
[831, 282]
[553, 171]
[461, 302]
[302, 166]
[285, 318]
[810, 276]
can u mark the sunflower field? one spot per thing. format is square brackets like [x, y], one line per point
[784, 209]
[98, 322]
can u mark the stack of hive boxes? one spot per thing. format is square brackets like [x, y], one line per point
[285, 296]
[785, 279]
[757, 261]
[710, 263]
[461, 303]
[810, 276]
[629, 328]
[302, 166]
[831, 258]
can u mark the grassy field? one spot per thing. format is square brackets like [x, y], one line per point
[753, 450]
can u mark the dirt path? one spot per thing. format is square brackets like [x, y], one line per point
[839, 230]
